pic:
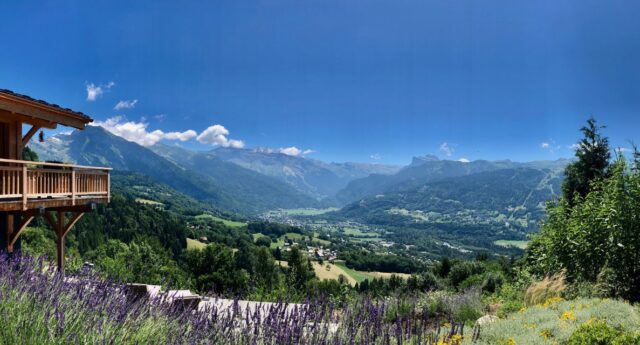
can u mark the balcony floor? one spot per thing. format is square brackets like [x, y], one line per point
[7, 205]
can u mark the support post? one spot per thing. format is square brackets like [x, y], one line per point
[10, 225]
[62, 228]
[60, 242]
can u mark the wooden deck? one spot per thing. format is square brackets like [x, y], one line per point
[26, 185]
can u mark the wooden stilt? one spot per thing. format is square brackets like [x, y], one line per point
[10, 224]
[62, 228]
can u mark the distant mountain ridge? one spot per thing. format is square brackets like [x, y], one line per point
[428, 169]
[509, 198]
[313, 177]
[226, 185]
[251, 181]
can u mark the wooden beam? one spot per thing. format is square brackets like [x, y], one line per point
[13, 237]
[34, 129]
[74, 219]
[40, 111]
[8, 117]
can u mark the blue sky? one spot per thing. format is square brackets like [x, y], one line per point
[369, 81]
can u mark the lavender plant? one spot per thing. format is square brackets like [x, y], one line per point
[40, 306]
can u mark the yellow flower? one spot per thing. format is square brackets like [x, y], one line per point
[552, 301]
[546, 334]
[568, 316]
[509, 341]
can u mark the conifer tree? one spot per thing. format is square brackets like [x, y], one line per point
[593, 162]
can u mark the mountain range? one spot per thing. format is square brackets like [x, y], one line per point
[251, 181]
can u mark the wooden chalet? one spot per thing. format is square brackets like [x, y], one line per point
[61, 193]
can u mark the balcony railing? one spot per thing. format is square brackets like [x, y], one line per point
[27, 182]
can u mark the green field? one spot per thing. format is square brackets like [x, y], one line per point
[309, 211]
[356, 275]
[512, 243]
[356, 232]
[194, 244]
[149, 202]
[226, 222]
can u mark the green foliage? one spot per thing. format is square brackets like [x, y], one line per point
[598, 239]
[593, 160]
[366, 261]
[556, 321]
[29, 155]
[464, 270]
[299, 271]
[594, 333]
[214, 269]
[143, 260]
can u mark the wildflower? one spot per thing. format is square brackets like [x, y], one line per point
[551, 302]
[546, 334]
[568, 316]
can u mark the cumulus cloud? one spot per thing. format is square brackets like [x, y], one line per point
[375, 156]
[291, 151]
[447, 149]
[545, 145]
[218, 135]
[138, 132]
[94, 91]
[294, 151]
[463, 160]
[126, 104]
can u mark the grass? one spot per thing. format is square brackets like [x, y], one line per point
[356, 275]
[511, 243]
[292, 236]
[355, 232]
[226, 222]
[149, 202]
[553, 321]
[333, 273]
[194, 244]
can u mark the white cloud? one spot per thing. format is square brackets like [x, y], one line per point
[463, 160]
[94, 91]
[447, 149]
[574, 147]
[138, 133]
[291, 151]
[294, 151]
[218, 135]
[550, 146]
[376, 156]
[126, 104]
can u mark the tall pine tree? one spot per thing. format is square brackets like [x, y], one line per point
[593, 162]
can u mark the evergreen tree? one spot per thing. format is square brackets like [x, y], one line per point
[593, 160]
[299, 273]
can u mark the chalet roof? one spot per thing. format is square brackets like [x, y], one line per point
[39, 112]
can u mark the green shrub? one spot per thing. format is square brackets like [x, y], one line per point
[594, 333]
[555, 321]
[464, 270]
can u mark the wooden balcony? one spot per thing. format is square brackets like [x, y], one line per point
[26, 185]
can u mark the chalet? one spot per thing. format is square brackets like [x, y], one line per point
[60, 193]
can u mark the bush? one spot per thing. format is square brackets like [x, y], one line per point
[593, 333]
[464, 270]
[555, 321]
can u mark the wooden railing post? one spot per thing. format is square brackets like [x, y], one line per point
[73, 186]
[24, 186]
